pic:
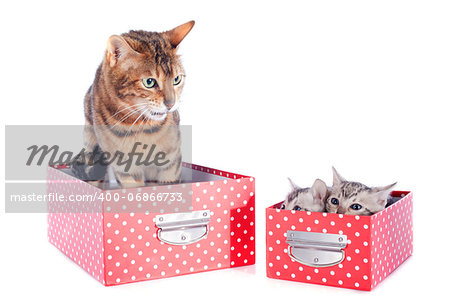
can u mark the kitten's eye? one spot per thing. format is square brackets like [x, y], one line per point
[334, 201]
[149, 82]
[177, 80]
[355, 206]
[297, 207]
[283, 206]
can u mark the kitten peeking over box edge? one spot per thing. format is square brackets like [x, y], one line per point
[343, 197]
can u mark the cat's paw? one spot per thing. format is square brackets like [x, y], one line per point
[169, 180]
[131, 184]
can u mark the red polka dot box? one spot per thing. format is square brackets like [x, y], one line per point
[117, 237]
[355, 252]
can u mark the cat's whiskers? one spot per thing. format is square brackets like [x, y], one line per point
[128, 115]
[127, 107]
[144, 110]
[144, 119]
[129, 132]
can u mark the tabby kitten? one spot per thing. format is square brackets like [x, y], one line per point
[134, 99]
[307, 199]
[354, 198]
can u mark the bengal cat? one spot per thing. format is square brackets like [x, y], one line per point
[307, 199]
[134, 99]
[354, 198]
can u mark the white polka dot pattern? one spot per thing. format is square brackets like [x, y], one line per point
[392, 238]
[72, 227]
[132, 251]
[377, 244]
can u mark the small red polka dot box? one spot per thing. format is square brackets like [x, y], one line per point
[355, 252]
[128, 235]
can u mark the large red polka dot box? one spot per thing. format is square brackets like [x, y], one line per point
[355, 252]
[126, 235]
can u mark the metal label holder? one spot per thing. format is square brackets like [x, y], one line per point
[316, 249]
[183, 228]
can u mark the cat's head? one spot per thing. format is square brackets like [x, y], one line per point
[354, 198]
[308, 199]
[143, 70]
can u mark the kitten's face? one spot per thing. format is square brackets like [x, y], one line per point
[145, 73]
[307, 199]
[354, 198]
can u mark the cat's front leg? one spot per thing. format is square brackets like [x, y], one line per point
[170, 173]
[88, 166]
[129, 179]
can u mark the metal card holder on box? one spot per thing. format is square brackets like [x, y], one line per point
[316, 249]
[183, 228]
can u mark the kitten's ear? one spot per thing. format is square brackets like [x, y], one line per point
[293, 185]
[176, 35]
[117, 49]
[319, 190]
[382, 193]
[337, 178]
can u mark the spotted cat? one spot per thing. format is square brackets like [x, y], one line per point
[134, 100]
[354, 198]
[306, 199]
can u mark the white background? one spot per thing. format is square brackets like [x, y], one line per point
[274, 89]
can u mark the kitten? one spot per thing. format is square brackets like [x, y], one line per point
[354, 198]
[134, 99]
[307, 199]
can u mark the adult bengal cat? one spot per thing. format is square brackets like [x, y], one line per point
[134, 101]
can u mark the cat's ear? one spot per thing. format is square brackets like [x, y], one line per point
[293, 185]
[382, 193]
[117, 49]
[176, 35]
[319, 191]
[337, 178]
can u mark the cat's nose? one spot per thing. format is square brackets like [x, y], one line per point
[169, 100]
[169, 96]
[169, 105]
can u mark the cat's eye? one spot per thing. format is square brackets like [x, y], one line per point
[177, 80]
[356, 206]
[297, 207]
[149, 82]
[283, 206]
[334, 201]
